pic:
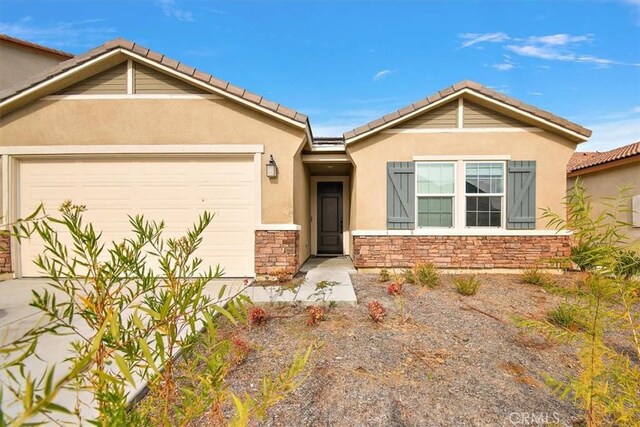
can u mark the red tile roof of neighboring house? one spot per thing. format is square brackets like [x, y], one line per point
[584, 160]
[159, 58]
[476, 87]
[34, 46]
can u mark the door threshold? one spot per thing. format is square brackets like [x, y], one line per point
[328, 255]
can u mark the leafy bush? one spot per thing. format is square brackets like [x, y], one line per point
[608, 379]
[384, 276]
[409, 276]
[565, 315]
[426, 274]
[467, 285]
[130, 322]
[533, 276]
[394, 289]
[315, 315]
[258, 316]
[377, 312]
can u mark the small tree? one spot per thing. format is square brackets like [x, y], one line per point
[608, 383]
[133, 306]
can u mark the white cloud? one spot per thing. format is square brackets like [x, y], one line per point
[170, 9]
[536, 93]
[474, 38]
[381, 74]
[610, 135]
[505, 66]
[559, 39]
[552, 47]
[551, 53]
[62, 34]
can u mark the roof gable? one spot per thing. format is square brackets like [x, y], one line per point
[103, 57]
[468, 90]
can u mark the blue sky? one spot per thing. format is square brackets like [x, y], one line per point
[347, 62]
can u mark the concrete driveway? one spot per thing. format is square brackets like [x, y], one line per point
[17, 317]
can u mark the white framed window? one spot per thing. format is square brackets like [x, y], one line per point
[435, 192]
[484, 194]
[460, 194]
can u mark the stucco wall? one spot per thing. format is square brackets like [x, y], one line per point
[371, 155]
[192, 121]
[606, 183]
[16, 64]
[301, 206]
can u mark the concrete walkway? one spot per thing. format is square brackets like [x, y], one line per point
[326, 279]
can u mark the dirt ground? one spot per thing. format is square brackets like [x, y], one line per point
[440, 359]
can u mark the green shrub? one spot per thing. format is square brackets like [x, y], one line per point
[533, 276]
[467, 285]
[409, 276]
[426, 274]
[565, 315]
[628, 264]
[384, 275]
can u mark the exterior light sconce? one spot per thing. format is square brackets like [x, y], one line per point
[272, 168]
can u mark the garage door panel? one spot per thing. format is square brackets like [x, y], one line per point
[175, 190]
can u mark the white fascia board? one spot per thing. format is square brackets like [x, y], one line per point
[44, 150]
[59, 77]
[209, 87]
[472, 94]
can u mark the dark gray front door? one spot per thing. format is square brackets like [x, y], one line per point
[330, 218]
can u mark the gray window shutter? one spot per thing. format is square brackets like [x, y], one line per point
[401, 195]
[521, 195]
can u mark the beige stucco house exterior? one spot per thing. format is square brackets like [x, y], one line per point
[456, 178]
[604, 174]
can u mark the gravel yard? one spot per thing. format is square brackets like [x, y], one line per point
[439, 359]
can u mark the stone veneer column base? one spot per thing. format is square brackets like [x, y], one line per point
[460, 252]
[5, 252]
[276, 252]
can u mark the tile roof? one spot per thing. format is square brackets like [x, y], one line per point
[583, 160]
[159, 58]
[31, 45]
[476, 87]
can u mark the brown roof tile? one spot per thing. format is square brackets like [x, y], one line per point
[140, 50]
[120, 43]
[583, 160]
[186, 69]
[476, 87]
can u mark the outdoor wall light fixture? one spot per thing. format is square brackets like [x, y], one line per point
[272, 168]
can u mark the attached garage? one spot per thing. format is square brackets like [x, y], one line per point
[175, 188]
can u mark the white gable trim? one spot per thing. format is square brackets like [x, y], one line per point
[157, 66]
[471, 93]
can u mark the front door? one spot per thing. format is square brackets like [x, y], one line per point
[329, 217]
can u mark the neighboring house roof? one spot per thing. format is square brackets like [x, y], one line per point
[451, 92]
[582, 162]
[34, 46]
[180, 68]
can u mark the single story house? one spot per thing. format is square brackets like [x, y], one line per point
[456, 178]
[603, 174]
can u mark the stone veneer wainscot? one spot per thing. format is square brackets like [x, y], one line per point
[479, 252]
[276, 250]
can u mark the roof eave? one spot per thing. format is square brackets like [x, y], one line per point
[352, 136]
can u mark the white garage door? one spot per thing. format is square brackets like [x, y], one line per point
[175, 190]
